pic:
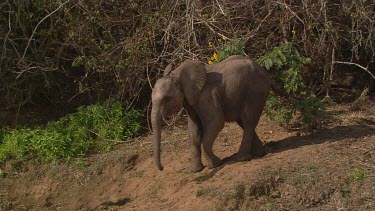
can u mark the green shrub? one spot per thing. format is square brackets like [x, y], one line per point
[311, 110]
[2, 133]
[277, 111]
[286, 64]
[15, 144]
[91, 129]
[287, 59]
[358, 174]
[227, 49]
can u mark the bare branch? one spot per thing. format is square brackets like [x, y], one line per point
[7, 35]
[288, 8]
[36, 27]
[212, 29]
[355, 64]
[255, 31]
[220, 7]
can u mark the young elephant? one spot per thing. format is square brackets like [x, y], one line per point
[235, 89]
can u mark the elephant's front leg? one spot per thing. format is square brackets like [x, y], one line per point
[195, 134]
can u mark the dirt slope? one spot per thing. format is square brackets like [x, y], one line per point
[333, 169]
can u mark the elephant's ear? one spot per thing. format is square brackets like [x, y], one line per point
[192, 76]
[168, 69]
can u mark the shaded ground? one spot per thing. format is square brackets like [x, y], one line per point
[333, 169]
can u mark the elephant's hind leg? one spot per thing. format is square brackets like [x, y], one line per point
[209, 136]
[244, 152]
[257, 149]
[250, 147]
[250, 144]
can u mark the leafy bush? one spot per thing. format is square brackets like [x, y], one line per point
[358, 174]
[277, 111]
[93, 128]
[286, 58]
[286, 64]
[2, 133]
[226, 49]
[310, 109]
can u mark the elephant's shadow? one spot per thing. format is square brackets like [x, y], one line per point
[334, 134]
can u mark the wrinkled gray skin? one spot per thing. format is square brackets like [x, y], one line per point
[235, 89]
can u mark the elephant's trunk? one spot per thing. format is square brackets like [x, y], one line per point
[156, 127]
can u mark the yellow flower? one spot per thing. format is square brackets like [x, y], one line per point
[215, 56]
[294, 32]
[210, 62]
[210, 44]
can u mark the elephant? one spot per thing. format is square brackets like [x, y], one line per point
[233, 90]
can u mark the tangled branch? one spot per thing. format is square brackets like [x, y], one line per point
[36, 27]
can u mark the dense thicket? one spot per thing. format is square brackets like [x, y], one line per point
[76, 52]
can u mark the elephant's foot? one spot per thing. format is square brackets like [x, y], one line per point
[259, 152]
[196, 167]
[239, 157]
[212, 163]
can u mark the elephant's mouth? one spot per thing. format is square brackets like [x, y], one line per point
[168, 113]
[164, 114]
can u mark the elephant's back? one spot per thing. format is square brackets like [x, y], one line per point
[243, 81]
[239, 73]
[239, 66]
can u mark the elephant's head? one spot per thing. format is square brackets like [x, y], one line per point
[184, 84]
